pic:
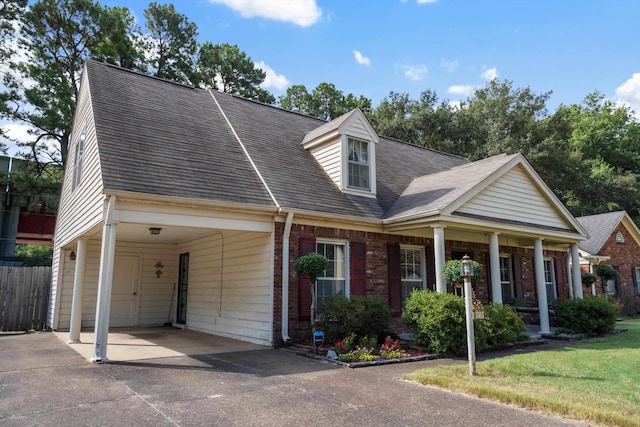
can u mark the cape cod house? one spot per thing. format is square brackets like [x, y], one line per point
[190, 206]
[614, 239]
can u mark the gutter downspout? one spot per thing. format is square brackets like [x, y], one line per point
[285, 279]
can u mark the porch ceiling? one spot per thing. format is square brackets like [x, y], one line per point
[169, 234]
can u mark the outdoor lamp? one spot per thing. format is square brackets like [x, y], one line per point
[155, 230]
[466, 267]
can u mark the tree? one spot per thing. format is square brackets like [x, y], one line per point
[226, 68]
[59, 35]
[325, 101]
[123, 43]
[311, 265]
[10, 14]
[171, 43]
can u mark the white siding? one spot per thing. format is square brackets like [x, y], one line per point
[358, 129]
[329, 156]
[229, 286]
[515, 197]
[154, 293]
[71, 221]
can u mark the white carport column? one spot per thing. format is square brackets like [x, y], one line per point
[494, 257]
[78, 292]
[105, 281]
[541, 286]
[577, 274]
[438, 252]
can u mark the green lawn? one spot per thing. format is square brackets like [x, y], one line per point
[596, 380]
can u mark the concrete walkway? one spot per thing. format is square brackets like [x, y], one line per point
[44, 382]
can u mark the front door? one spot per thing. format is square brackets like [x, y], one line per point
[183, 280]
[124, 292]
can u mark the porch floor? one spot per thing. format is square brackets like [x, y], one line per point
[129, 344]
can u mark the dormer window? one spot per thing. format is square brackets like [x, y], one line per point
[359, 170]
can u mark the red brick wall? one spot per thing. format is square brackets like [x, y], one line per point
[376, 284]
[625, 256]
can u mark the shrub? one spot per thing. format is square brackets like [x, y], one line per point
[502, 325]
[451, 271]
[438, 321]
[593, 315]
[364, 316]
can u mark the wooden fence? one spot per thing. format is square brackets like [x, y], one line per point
[24, 298]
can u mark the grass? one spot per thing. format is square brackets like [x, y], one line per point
[596, 380]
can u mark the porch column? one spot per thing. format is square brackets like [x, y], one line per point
[438, 251]
[592, 270]
[577, 275]
[569, 278]
[78, 292]
[494, 257]
[105, 281]
[541, 287]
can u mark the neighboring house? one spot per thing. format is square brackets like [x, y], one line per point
[614, 239]
[190, 206]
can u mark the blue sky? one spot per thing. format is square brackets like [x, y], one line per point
[372, 47]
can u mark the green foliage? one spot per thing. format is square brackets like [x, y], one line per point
[502, 325]
[588, 279]
[311, 265]
[593, 315]
[451, 271]
[171, 42]
[226, 68]
[325, 101]
[607, 272]
[35, 254]
[438, 322]
[365, 316]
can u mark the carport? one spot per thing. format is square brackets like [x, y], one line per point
[131, 344]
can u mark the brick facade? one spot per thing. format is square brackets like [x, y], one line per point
[376, 268]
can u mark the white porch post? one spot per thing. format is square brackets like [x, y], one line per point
[438, 251]
[494, 256]
[103, 305]
[577, 275]
[592, 270]
[78, 292]
[569, 278]
[541, 287]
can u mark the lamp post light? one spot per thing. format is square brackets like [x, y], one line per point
[466, 271]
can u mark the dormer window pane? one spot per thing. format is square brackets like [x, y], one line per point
[359, 164]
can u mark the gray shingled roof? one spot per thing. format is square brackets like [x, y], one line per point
[162, 138]
[435, 192]
[599, 227]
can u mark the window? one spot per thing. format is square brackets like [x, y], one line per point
[550, 280]
[358, 160]
[505, 279]
[411, 269]
[77, 162]
[636, 278]
[333, 281]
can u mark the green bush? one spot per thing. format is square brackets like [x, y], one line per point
[364, 316]
[593, 315]
[438, 322]
[502, 325]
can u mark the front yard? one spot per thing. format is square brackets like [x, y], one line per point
[597, 380]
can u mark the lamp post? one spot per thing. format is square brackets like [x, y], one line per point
[466, 271]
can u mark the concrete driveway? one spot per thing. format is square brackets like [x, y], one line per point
[44, 382]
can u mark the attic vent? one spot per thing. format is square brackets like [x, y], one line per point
[619, 237]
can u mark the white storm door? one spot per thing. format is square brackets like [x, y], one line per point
[124, 292]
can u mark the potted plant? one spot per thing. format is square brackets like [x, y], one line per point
[608, 275]
[588, 279]
[311, 265]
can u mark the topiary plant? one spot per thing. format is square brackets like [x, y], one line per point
[607, 272]
[311, 265]
[588, 279]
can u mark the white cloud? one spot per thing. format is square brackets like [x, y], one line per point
[450, 66]
[300, 12]
[415, 72]
[628, 94]
[490, 74]
[273, 79]
[455, 105]
[15, 132]
[361, 59]
[426, 1]
[464, 90]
